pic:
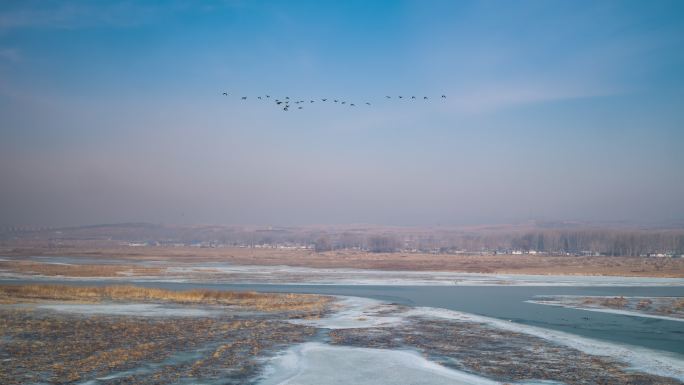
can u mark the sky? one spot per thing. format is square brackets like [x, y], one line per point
[112, 111]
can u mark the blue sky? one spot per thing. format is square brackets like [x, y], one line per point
[557, 110]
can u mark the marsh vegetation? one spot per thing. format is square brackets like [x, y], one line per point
[313, 304]
[670, 307]
[51, 346]
[496, 353]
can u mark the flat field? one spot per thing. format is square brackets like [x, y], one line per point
[492, 264]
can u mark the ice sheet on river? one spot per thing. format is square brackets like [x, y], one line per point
[320, 364]
[356, 312]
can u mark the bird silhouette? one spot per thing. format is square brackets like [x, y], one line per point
[285, 103]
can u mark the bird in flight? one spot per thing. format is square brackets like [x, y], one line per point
[285, 102]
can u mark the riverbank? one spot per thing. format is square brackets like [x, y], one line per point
[171, 270]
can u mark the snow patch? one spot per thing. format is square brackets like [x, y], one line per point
[320, 364]
[356, 312]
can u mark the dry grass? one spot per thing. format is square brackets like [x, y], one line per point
[61, 349]
[39, 346]
[49, 269]
[644, 304]
[673, 308]
[253, 300]
[615, 302]
[678, 305]
[670, 306]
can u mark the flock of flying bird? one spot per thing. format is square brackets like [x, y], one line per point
[286, 103]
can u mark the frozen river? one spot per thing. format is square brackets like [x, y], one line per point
[508, 303]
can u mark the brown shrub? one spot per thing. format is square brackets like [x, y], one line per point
[617, 302]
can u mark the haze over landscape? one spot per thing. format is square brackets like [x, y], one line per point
[113, 112]
[234, 192]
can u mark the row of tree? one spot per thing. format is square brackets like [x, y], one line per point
[586, 241]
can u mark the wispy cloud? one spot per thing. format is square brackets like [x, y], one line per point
[490, 97]
[73, 15]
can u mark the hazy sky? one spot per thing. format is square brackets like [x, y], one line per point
[112, 112]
